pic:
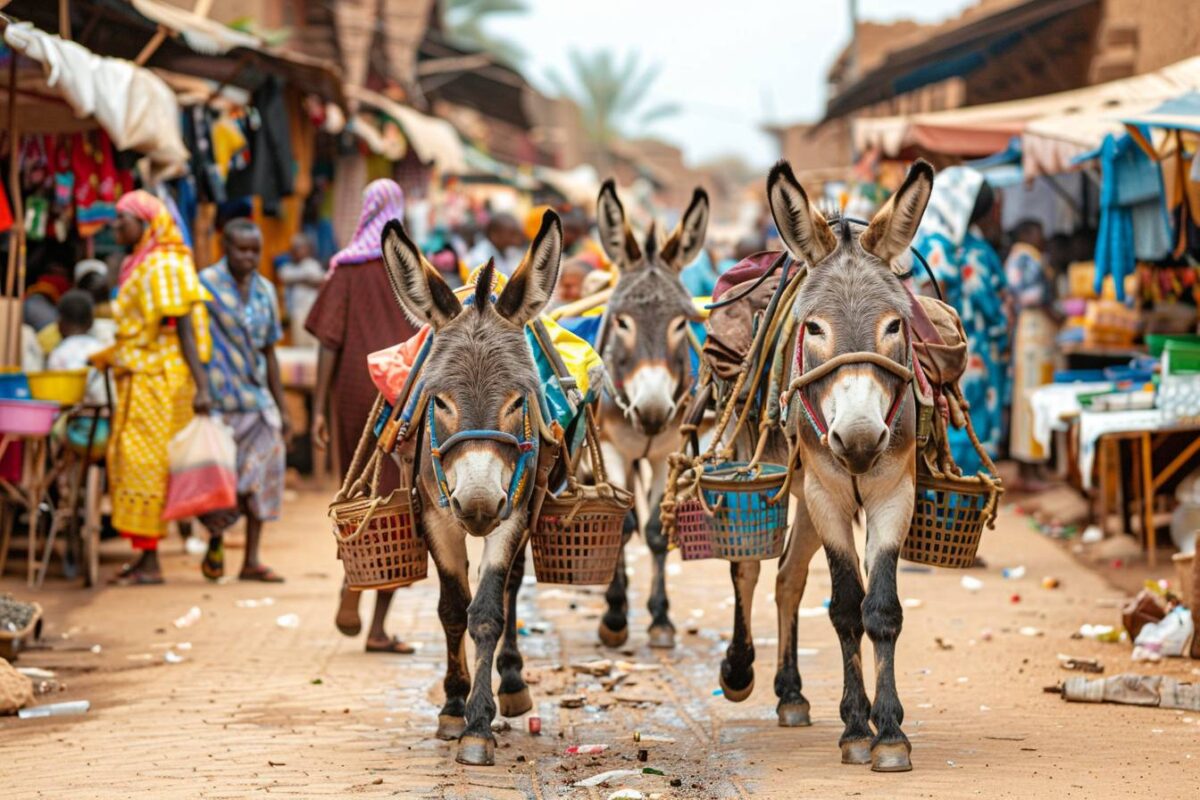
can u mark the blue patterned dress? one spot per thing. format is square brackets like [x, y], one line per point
[972, 279]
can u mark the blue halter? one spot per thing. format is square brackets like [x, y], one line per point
[527, 448]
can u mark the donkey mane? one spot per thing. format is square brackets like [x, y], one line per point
[479, 351]
[650, 286]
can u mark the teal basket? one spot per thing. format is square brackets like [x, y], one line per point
[748, 524]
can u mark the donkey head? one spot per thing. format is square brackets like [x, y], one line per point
[479, 374]
[852, 302]
[645, 343]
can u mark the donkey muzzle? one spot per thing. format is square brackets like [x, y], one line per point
[478, 512]
[651, 391]
[858, 446]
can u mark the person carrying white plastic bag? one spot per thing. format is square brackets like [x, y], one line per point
[203, 464]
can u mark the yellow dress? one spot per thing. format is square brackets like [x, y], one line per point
[154, 386]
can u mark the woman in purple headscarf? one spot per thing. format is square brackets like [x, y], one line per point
[355, 315]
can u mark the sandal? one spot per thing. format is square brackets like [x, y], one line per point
[392, 645]
[213, 565]
[129, 575]
[261, 573]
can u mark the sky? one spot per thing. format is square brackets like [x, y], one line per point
[731, 69]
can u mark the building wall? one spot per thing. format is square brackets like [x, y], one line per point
[822, 148]
[1150, 34]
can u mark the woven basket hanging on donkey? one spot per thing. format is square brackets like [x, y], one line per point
[379, 542]
[577, 536]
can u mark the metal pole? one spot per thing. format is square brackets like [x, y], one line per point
[64, 19]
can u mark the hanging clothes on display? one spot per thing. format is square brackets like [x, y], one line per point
[269, 173]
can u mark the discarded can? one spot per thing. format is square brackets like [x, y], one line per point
[638, 736]
[1050, 582]
[586, 749]
[56, 710]
[535, 724]
[643, 755]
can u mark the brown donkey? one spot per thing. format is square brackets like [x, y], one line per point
[481, 383]
[852, 423]
[644, 344]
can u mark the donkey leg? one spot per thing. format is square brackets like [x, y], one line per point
[737, 668]
[614, 625]
[662, 630]
[450, 559]
[513, 697]
[883, 617]
[793, 708]
[485, 623]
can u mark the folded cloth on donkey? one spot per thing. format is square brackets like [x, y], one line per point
[939, 342]
[731, 327]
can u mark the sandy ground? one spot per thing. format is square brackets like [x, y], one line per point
[257, 709]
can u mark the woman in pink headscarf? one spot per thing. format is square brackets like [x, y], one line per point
[355, 315]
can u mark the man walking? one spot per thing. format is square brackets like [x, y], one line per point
[243, 379]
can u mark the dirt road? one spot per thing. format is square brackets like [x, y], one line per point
[257, 709]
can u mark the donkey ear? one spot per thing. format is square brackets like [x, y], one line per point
[532, 284]
[804, 231]
[892, 229]
[615, 234]
[687, 240]
[422, 293]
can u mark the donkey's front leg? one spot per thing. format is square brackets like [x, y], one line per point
[883, 616]
[833, 516]
[803, 543]
[614, 625]
[514, 697]
[737, 668]
[662, 630]
[485, 623]
[450, 558]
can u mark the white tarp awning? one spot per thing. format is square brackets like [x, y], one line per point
[1054, 128]
[133, 105]
[433, 140]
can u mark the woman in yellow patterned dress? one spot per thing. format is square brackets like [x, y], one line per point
[157, 362]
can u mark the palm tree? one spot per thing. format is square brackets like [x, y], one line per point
[465, 21]
[611, 95]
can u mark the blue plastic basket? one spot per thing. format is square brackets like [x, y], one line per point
[748, 524]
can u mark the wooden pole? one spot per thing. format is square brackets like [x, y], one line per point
[64, 19]
[12, 338]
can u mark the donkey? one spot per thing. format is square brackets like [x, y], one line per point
[644, 344]
[475, 477]
[855, 438]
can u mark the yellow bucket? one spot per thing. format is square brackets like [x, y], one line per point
[65, 387]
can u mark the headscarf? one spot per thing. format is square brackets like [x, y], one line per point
[383, 200]
[161, 236]
[955, 190]
[533, 221]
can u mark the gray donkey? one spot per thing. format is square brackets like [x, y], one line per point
[855, 435]
[475, 471]
[644, 344]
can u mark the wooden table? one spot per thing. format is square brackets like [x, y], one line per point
[1146, 481]
[27, 494]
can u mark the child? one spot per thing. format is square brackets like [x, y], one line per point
[302, 277]
[75, 318]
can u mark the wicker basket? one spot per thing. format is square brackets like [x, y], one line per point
[693, 533]
[948, 520]
[748, 522]
[577, 538]
[378, 542]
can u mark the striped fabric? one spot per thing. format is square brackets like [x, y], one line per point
[383, 200]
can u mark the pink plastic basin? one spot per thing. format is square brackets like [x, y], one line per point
[27, 417]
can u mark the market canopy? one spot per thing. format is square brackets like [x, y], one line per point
[434, 140]
[1054, 128]
[133, 105]
[156, 34]
[1181, 113]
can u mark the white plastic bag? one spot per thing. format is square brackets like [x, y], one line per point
[203, 462]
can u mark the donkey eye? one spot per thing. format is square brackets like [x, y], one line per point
[440, 404]
[515, 406]
[622, 323]
[813, 329]
[893, 327]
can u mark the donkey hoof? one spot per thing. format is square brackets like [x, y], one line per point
[737, 695]
[476, 751]
[611, 638]
[892, 757]
[514, 704]
[856, 751]
[794, 715]
[450, 727]
[662, 636]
